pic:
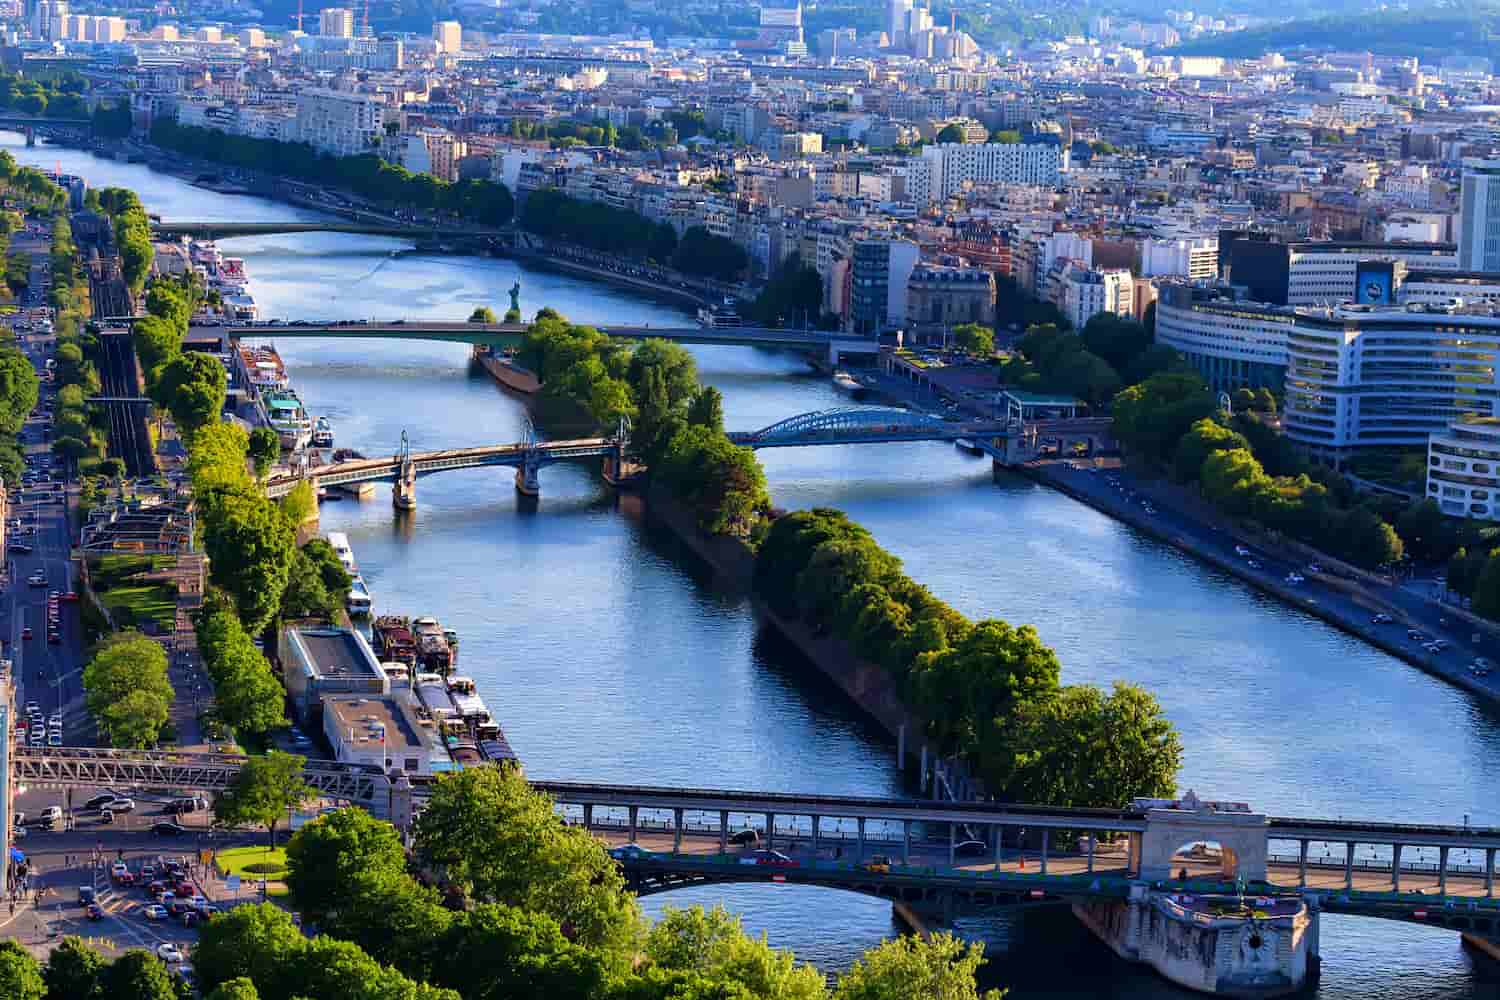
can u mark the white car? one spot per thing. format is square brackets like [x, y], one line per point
[169, 953]
[152, 911]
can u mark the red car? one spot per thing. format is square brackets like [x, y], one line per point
[26, 632]
[70, 596]
[53, 636]
[186, 890]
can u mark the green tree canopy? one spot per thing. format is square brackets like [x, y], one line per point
[250, 546]
[937, 967]
[20, 976]
[192, 387]
[971, 338]
[127, 690]
[711, 943]
[138, 975]
[488, 831]
[264, 449]
[482, 314]
[951, 134]
[329, 856]
[73, 970]
[265, 790]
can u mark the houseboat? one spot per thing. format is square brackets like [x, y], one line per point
[322, 435]
[358, 600]
[288, 419]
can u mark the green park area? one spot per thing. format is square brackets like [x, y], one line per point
[129, 588]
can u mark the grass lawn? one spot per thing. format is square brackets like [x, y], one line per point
[132, 601]
[252, 864]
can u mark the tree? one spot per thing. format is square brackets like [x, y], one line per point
[678, 369]
[713, 944]
[192, 387]
[332, 572]
[1204, 438]
[73, 970]
[498, 952]
[1151, 417]
[247, 694]
[703, 253]
[707, 409]
[656, 420]
[305, 595]
[19, 386]
[127, 690]
[971, 338]
[20, 977]
[1006, 137]
[1116, 339]
[257, 943]
[157, 341]
[482, 314]
[1426, 531]
[238, 988]
[250, 546]
[328, 857]
[264, 450]
[937, 967]
[721, 481]
[951, 134]
[488, 831]
[138, 975]
[266, 789]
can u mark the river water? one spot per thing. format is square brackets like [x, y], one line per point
[607, 655]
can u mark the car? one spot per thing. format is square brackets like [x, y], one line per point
[119, 867]
[119, 805]
[26, 632]
[970, 849]
[32, 708]
[155, 888]
[1252, 563]
[879, 864]
[1241, 551]
[52, 814]
[97, 802]
[54, 636]
[54, 739]
[1416, 635]
[628, 851]
[37, 579]
[773, 858]
[189, 917]
[70, 596]
[169, 953]
[185, 889]
[169, 829]
[21, 548]
[85, 894]
[152, 911]
[1382, 619]
[745, 838]
[94, 911]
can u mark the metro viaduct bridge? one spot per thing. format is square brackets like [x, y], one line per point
[913, 851]
[1006, 443]
[498, 335]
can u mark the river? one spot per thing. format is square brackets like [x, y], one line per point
[605, 655]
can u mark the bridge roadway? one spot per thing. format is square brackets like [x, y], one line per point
[226, 230]
[683, 839]
[369, 470]
[510, 334]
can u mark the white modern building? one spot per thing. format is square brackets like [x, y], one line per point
[338, 122]
[1196, 259]
[448, 35]
[1463, 468]
[1083, 293]
[946, 167]
[1479, 216]
[1360, 376]
[1233, 344]
[336, 22]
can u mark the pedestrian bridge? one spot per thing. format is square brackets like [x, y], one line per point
[500, 335]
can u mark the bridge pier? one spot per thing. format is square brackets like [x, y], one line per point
[999, 832]
[1395, 867]
[1302, 864]
[528, 483]
[676, 832]
[1046, 839]
[404, 490]
[906, 841]
[588, 815]
[634, 811]
[723, 831]
[770, 831]
[1349, 867]
[1489, 873]
[1443, 872]
[861, 840]
[816, 822]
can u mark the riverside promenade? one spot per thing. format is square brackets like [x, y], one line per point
[1347, 601]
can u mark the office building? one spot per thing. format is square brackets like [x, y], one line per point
[449, 36]
[1314, 273]
[336, 22]
[879, 279]
[946, 168]
[1479, 216]
[1233, 344]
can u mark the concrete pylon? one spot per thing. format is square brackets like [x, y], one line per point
[404, 492]
[528, 483]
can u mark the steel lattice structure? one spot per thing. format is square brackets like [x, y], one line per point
[86, 767]
[854, 421]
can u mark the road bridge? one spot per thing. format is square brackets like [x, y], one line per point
[500, 335]
[225, 229]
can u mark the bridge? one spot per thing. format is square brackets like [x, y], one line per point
[943, 858]
[1005, 442]
[499, 335]
[226, 229]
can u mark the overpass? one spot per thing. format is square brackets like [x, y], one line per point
[227, 229]
[498, 335]
[841, 426]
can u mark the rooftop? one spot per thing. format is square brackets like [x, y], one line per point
[360, 720]
[337, 652]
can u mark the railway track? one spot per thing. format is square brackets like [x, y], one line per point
[129, 439]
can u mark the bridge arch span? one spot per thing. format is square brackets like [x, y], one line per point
[849, 420]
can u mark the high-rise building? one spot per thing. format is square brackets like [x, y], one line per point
[252, 38]
[336, 21]
[448, 35]
[896, 13]
[339, 123]
[1479, 216]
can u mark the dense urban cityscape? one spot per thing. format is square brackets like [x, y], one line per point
[784, 501]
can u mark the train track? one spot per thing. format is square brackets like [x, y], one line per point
[129, 439]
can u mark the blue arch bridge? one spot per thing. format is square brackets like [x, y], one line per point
[1007, 442]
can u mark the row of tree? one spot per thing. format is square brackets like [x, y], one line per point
[676, 426]
[79, 430]
[49, 98]
[482, 202]
[74, 971]
[989, 691]
[132, 235]
[30, 186]
[1247, 469]
[528, 908]
[247, 695]
[618, 232]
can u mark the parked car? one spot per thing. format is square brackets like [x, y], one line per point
[878, 863]
[169, 829]
[169, 953]
[971, 849]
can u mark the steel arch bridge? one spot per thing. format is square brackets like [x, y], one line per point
[851, 425]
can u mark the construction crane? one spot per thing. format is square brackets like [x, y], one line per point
[299, 15]
[364, 21]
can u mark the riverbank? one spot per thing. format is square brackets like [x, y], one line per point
[1351, 615]
[865, 684]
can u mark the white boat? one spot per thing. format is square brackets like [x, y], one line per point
[725, 314]
[322, 435]
[358, 601]
[845, 383]
[288, 419]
